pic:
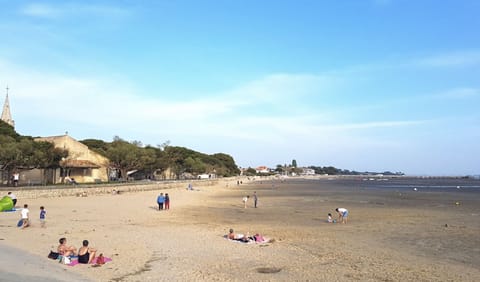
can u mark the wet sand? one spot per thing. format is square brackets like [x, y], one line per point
[393, 233]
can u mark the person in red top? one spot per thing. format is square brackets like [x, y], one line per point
[167, 201]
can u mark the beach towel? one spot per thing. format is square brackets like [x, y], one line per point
[94, 261]
[12, 210]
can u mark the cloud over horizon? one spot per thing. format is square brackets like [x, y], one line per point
[266, 89]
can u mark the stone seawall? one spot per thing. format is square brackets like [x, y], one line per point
[98, 189]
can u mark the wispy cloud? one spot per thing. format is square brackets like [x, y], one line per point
[455, 59]
[460, 93]
[103, 103]
[40, 10]
[67, 10]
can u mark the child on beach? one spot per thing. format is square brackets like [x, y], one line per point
[43, 212]
[244, 200]
[25, 219]
[329, 218]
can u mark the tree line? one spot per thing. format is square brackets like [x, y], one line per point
[127, 156]
[23, 152]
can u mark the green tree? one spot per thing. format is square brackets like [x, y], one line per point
[149, 160]
[228, 163]
[125, 156]
[98, 146]
[8, 130]
[250, 171]
[194, 165]
[25, 153]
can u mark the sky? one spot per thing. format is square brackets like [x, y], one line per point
[365, 85]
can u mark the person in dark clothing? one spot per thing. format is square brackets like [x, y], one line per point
[85, 253]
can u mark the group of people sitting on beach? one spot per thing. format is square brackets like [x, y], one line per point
[85, 254]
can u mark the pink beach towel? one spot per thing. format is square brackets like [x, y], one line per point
[94, 261]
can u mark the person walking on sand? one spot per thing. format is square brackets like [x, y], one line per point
[245, 200]
[160, 201]
[43, 213]
[255, 199]
[342, 215]
[25, 220]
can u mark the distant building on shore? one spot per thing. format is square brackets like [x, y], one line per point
[307, 171]
[81, 165]
[262, 169]
[6, 114]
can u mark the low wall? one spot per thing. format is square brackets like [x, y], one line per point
[85, 190]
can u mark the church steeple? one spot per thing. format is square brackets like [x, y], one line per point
[6, 115]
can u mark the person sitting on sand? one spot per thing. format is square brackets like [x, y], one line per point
[65, 250]
[342, 214]
[86, 254]
[330, 219]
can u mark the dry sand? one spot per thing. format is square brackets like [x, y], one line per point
[392, 234]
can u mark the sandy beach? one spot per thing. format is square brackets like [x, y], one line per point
[394, 233]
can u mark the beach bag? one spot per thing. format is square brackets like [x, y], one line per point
[53, 255]
[66, 260]
[101, 259]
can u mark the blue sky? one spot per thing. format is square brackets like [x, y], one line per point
[358, 84]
